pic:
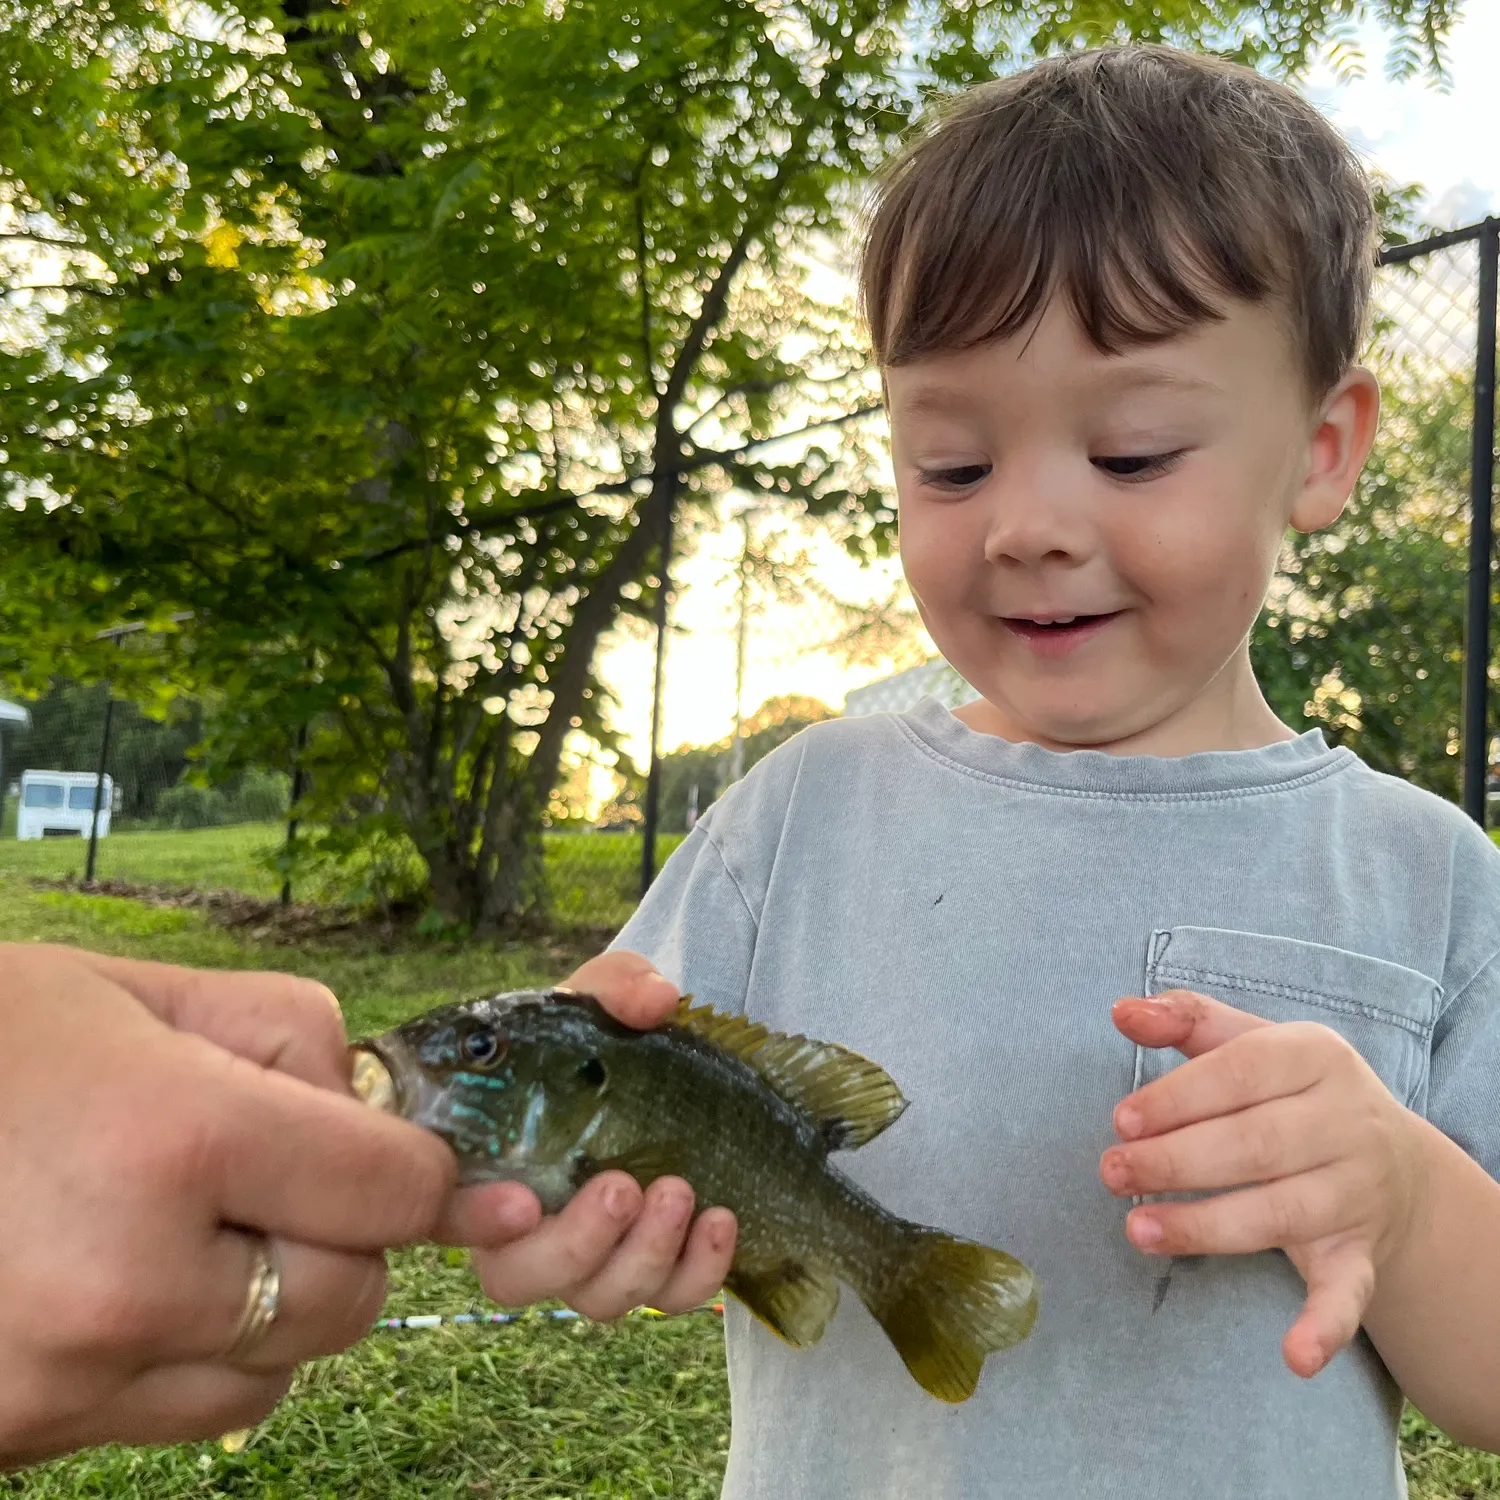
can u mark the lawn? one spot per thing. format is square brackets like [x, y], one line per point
[536, 1411]
[593, 879]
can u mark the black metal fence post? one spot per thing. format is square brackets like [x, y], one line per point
[1474, 747]
[109, 721]
[1476, 717]
[298, 783]
[653, 775]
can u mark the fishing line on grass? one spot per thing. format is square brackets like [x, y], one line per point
[560, 1315]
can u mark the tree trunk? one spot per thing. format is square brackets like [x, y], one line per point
[483, 885]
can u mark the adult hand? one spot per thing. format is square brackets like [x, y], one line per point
[156, 1123]
[613, 1247]
[1326, 1164]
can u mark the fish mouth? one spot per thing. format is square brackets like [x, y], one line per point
[376, 1076]
[387, 1076]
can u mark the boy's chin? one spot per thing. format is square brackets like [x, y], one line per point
[1109, 721]
[1053, 726]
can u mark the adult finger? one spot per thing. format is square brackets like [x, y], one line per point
[1274, 1215]
[628, 986]
[645, 1258]
[488, 1216]
[169, 1404]
[1190, 1022]
[1257, 1144]
[1251, 1069]
[329, 1299]
[1340, 1284]
[188, 1403]
[704, 1264]
[306, 1164]
[567, 1249]
[274, 1020]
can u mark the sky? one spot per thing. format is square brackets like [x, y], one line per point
[1447, 138]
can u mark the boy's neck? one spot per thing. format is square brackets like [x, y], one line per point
[1231, 713]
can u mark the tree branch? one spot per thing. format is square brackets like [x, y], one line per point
[688, 463]
[42, 239]
[76, 286]
[701, 458]
[717, 296]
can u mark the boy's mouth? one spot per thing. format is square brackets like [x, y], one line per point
[1056, 631]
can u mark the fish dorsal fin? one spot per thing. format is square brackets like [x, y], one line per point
[795, 1301]
[848, 1097]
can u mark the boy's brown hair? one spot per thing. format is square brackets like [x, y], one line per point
[1146, 184]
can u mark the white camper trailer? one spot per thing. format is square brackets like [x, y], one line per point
[61, 803]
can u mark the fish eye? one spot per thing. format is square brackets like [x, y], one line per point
[481, 1046]
[592, 1073]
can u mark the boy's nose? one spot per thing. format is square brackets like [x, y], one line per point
[1031, 523]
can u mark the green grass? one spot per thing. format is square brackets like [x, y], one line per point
[593, 879]
[204, 858]
[536, 1411]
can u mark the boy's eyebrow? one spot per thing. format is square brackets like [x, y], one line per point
[1144, 377]
[936, 400]
[943, 400]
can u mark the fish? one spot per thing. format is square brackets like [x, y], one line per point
[547, 1089]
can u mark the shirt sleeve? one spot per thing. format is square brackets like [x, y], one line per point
[696, 926]
[1463, 1091]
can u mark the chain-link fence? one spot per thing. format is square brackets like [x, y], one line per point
[774, 625]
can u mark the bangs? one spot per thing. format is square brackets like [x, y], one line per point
[1149, 209]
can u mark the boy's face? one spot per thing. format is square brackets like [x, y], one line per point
[1143, 496]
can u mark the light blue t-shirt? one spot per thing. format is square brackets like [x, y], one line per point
[965, 911]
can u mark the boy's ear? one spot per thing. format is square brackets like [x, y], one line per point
[1338, 449]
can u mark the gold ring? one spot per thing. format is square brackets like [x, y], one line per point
[263, 1302]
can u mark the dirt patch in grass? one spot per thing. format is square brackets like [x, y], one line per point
[297, 923]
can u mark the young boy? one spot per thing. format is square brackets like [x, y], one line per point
[1116, 301]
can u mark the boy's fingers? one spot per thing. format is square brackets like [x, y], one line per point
[489, 1216]
[628, 986]
[567, 1249]
[1254, 1068]
[1191, 1023]
[645, 1258]
[704, 1265]
[1293, 1211]
[1340, 1284]
[1253, 1145]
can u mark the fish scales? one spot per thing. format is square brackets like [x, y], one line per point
[545, 1088]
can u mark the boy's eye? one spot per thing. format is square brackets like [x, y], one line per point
[1139, 466]
[959, 478]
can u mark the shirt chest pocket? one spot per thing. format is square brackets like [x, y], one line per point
[1384, 1010]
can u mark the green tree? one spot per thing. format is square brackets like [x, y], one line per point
[1363, 636]
[391, 337]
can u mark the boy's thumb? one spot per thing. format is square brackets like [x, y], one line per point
[1192, 1023]
[628, 986]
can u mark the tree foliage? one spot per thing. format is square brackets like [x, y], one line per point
[1363, 636]
[389, 339]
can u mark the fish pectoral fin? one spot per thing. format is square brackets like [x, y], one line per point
[795, 1301]
[646, 1162]
[848, 1097]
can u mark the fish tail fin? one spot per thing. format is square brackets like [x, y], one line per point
[951, 1303]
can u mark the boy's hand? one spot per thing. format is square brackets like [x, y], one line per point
[1327, 1162]
[613, 1247]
